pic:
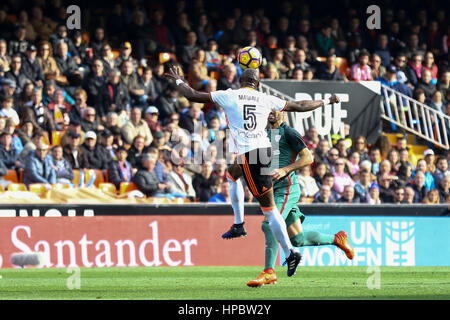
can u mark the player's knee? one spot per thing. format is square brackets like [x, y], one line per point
[298, 240]
[265, 226]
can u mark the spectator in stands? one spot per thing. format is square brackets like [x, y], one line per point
[341, 179]
[307, 183]
[137, 150]
[151, 117]
[441, 170]
[67, 65]
[114, 95]
[321, 151]
[39, 167]
[429, 180]
[3, 172]
[146, 179]
[414, 69]
[385, 168]
[398, 195]
[348, 195]
[106, 145]
[361, 71]
[31, 67]
[390, 79]
[9, 154]
[378, 70]
[432, 197]
[180, 181]
[429, 160]
[148, 84]
[125, 55]
[443, 86]
[324, 195]
[223, 193]
[94, 81]
[328, 70]
[363, 184]
[96, 158]
[141, 36]
[404, 173]
[203, 182]
[98, 41]
[428, 64]
[329, 180]
[198, 72]
[136, 126]
[167, 103]
[228, 78]
[192, 120]
[8, 111]
[107, 59]
[437, 103]
[5, 59]
[324, 40]
[382, 49]
[386, 188]
[59, 110]
[312, 137]
[74, 154]
[189, 51]
[83, 54]
[90, 122]
[38, 114]
[375, 159]
[341, 146]
[374, 194]
[420, 190]
[120, 170]
[61, 37]
[320, 170]
[332, 156]
[425, 84]
[63, 169]
[444, 188]
[131, 80]
[16, 73]
[409, 195]
[163, 34]
[18, 43]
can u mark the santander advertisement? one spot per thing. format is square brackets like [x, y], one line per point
[120, 241]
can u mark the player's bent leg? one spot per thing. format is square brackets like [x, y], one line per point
[237, 230]
[300, 238]
[267, 276]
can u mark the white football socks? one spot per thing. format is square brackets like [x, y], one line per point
[278, 227]
[237, 200]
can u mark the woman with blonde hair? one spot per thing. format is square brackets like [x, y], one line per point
[432, 197]
[272, 72]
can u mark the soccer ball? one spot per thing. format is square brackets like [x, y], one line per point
[249, 57]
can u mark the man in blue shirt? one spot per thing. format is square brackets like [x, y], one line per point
[224, 195]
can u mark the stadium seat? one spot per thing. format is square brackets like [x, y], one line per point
[2, 188]
[38, 188]
[127, 187]
[21, 175]
[99, 177]
[115, 53]
[17, 187]
[76, 177]
[343, 66]
[105, 175]
[56, 137]
[321, 59]
[11, 176]
[166, 56]
[107, 187]
[215, 75]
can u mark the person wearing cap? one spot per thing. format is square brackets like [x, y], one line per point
[106, 145]
[125, 55]
[120, 170]
[39, 166]
[9, 90]
[151, 117]
[8, 153]
[180, 181]
[74, 153]
[136, 126]
[31, 67]
[16, 73]
[74, 126]
[429, 159]
[97, 158]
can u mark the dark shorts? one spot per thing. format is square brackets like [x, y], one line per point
[255, 169]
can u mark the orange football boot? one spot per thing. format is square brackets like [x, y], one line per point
[341, 241]
[267, 276]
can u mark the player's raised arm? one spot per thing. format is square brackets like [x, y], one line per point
[186, 90]
[309, 105]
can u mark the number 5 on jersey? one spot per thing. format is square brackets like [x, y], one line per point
[250, 117]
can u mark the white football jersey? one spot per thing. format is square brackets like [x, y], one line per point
[247, 111]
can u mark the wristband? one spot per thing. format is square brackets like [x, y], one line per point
[178, 82]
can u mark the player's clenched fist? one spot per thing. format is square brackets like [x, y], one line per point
[278, 174]
[334, 99]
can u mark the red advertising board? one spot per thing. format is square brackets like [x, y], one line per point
[120, 241]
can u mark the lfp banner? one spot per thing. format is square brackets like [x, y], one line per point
[381, 241]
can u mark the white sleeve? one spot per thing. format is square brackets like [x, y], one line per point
[221, 97]
[276, 103]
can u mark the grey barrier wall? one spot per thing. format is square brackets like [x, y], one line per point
[359, 107]
[27, 210]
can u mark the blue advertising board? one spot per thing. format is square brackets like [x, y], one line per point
[381, 241]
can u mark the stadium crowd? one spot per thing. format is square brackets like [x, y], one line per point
[96, 98]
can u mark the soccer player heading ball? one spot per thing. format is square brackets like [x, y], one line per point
[247, 111]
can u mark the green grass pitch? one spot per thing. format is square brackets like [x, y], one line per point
[224, 283]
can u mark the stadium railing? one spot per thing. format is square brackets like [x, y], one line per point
[415, 117]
